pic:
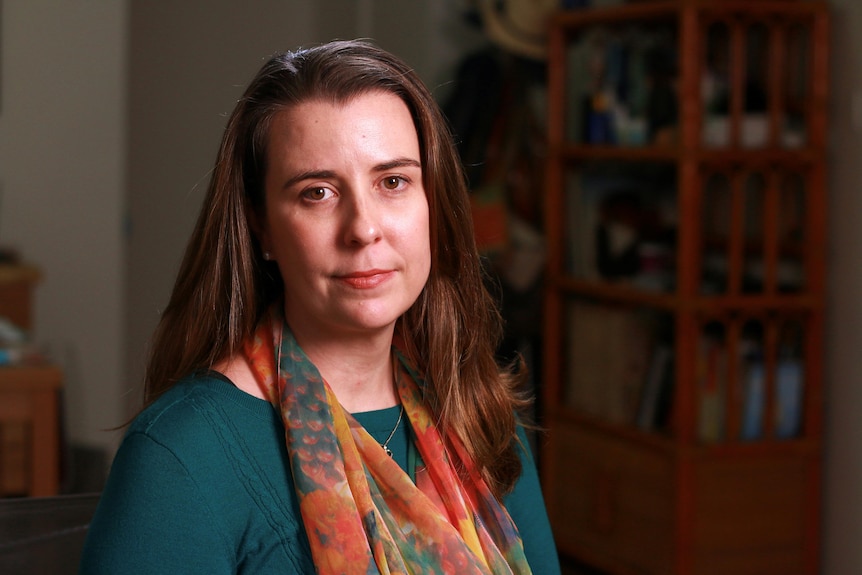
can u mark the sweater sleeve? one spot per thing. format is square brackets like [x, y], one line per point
[527, 509]
[152, 518]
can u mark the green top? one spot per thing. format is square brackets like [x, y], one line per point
[201, 484]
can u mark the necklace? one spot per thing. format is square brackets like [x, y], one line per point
[385, 444]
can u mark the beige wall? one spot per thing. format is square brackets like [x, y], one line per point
[842, 531]
[62, 170]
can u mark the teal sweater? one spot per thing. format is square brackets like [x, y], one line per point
[201, 484]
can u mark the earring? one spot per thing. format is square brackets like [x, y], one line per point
[267, 256]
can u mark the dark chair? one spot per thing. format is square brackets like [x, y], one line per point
[44, 535]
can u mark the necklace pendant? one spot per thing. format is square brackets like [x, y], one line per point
[385, 444]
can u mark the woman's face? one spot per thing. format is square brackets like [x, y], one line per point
[346, 214]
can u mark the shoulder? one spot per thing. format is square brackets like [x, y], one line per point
[205, 423]
[198, 403]
[202, 469]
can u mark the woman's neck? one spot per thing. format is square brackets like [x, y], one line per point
[360, 383]
[359, 370]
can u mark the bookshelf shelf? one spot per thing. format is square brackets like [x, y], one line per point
[665, 444]
[707, 303]
[632, 435]
[575, 20]
[709, 158]
[686, 222]
[576, 153]
[608, 292]
[767, 157]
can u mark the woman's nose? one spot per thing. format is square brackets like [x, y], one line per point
[362, 225]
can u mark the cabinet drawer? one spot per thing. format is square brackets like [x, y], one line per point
[751, 515]
[611, 503]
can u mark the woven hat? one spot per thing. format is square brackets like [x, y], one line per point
[518, 26]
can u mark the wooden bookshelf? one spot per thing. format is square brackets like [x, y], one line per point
[701, 212]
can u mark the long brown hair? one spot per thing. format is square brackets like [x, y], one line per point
[224, 284]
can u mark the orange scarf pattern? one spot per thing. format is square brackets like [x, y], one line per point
[362, 513]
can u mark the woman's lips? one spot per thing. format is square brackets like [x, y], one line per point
[366, 279]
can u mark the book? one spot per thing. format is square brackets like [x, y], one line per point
[789, 379]
[754, 394]
[658, 381]
[788, 399]
[712, 389]
[609, 351]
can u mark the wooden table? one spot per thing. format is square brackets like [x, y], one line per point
[30, 430]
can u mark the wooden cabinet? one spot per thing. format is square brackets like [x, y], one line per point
[30, 430]
[29, 401]
[685, 215]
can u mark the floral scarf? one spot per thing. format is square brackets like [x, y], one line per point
[362, 513]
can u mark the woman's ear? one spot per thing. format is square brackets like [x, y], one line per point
[257, 225]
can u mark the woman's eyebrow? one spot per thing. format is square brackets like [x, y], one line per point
[309, 175]
[398, 163]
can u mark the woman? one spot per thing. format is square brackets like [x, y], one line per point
[332, 274]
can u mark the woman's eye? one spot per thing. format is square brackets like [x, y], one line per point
[317, 193]
[393, 182]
